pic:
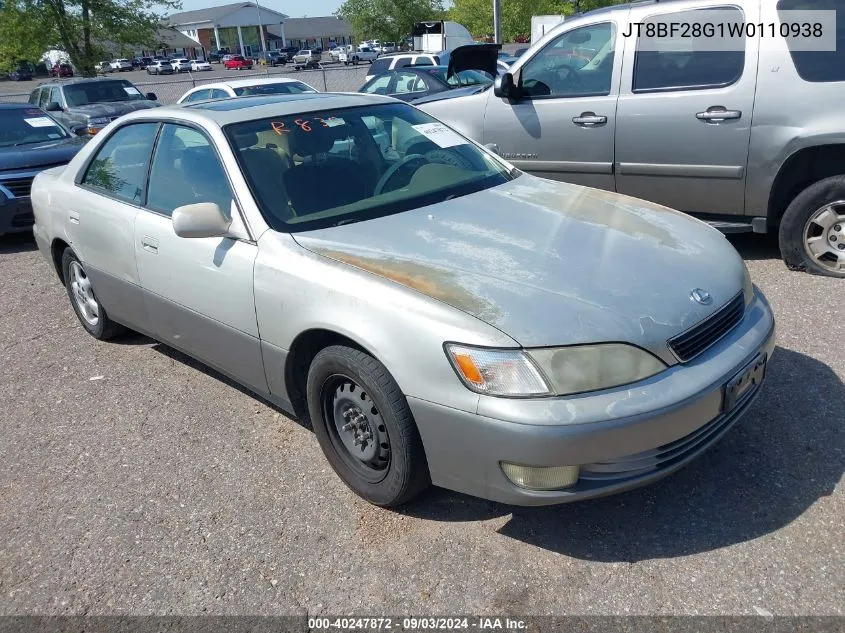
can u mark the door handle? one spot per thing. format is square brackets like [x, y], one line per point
[718, 113]
[149, 244]
[589, 119]
[73, 217]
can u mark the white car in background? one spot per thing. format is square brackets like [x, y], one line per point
[245, 88]
[181, 64]
[198, 65]
[120, 65]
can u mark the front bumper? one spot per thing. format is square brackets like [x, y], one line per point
[15, 215]
[622, 438]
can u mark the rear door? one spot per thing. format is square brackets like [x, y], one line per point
[684, 115]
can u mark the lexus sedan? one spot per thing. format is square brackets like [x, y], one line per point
[437, 315]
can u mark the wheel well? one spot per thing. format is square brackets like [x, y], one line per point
[57, 249]
[302, 351]
[800, 171]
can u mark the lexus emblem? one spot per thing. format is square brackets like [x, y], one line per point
[701, 296]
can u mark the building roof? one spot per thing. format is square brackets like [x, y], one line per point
[305, 28]
[168, 37]
[212, 14]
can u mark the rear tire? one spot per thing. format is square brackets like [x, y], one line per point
[812, 229]
[90, 313]
[352, 397]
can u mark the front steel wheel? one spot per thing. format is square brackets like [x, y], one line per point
[824, 237]
[365, 427]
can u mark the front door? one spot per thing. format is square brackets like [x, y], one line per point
[562, 125]
[199, 291]
[684, 119]
[101, 223]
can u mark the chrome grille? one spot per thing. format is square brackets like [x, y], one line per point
[694, 341]
[18, 186]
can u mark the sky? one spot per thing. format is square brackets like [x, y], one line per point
[292, 8]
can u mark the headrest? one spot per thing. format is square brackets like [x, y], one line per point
[318, 141]
[246, 138]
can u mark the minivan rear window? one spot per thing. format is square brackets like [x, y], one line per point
[819, 66]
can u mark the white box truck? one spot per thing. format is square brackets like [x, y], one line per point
[439, 35]
[542, 24]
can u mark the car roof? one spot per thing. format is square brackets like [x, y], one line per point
[236, 109]
[238, 83]
[81, 80]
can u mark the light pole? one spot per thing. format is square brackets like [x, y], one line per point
[260, 26]
[497, 21]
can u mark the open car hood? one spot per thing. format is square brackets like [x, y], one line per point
[481, 57]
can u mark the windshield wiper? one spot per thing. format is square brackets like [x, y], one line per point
[344, 221]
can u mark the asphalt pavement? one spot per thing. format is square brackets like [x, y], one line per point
[135, 481]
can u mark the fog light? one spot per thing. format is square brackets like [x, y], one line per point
[541, 477]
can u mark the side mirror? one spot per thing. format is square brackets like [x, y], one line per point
[53, 107]
[152, 96]
[504, 87]
[204, 219]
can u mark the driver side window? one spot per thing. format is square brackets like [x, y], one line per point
[578, 63]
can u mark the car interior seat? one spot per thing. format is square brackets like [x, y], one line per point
[265, 167]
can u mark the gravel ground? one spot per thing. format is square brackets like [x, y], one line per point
[134, 481]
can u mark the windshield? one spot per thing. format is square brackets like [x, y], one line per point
[281, 88]
[22, 126]
[304, 53]
[101, 92]
[339, 166]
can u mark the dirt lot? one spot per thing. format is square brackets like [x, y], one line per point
[133, 480]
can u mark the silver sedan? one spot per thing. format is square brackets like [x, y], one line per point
[437, 315]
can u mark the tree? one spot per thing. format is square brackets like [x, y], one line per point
[85, 29]
[388, 20]
[477, 15]
[22, 35]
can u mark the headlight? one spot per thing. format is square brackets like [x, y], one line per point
[554, 371]
[593, 367]
[497, 372]
[747, 286]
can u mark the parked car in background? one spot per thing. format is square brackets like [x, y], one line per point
[271, 58]
[62, 69]
[90, 103]
[237, 62]
[245, 88]
[21, 74]
[317, 50]
[200, 66]
[356, 56]
[306, 59]
[120, 65]
[415, 306]
[387, 48]
[160, 67]
[181, 64]
[103, 67]
[411, 83]
[30, 141]
[400, 60]
[742, 147]
[214, 58]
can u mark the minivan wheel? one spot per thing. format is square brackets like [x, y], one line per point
[812, 231]
[365, 427]
[88, 310]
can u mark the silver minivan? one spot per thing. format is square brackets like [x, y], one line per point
[750, 139]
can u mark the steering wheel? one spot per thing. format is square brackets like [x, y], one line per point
[444, 157]
[393, 169]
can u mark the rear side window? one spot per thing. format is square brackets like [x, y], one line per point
[119, 168]
[219, 94]
[199, 95]
[380, 65]
[686, 63]
[819, 66]
[403, 61]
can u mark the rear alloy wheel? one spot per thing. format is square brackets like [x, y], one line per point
[365, 427]
[88, 310]
[812, 232]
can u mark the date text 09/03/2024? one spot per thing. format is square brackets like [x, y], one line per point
[416, 624]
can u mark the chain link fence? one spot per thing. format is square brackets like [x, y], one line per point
[168, 91]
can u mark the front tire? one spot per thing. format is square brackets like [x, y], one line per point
[365, 427]
[812, 230]
[88, 310]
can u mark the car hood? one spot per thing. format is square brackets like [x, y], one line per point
[46, 154]
[449, 94]
[116, 108]
[549, 263]
[481, 57]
